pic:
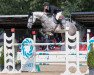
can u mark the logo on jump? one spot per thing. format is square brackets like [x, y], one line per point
[27, 50]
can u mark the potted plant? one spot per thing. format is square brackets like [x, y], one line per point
[90, 60]
[1, 59]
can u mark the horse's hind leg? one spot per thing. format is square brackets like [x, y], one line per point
[43, 32]
[59, 29]
[49, 33]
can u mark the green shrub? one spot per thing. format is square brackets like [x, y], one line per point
[2, 58]
[90, 59]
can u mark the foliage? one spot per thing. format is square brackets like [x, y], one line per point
[70, 6]
[37, 5]
[14, 7]
[90, 59]
[26, 6]
[2, 58]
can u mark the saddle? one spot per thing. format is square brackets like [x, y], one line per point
[54, 18]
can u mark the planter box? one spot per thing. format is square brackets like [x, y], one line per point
[91, 71]
[1, 67]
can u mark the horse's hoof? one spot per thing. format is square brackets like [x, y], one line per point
[49, 33]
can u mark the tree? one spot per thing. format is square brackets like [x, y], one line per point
[70, 6]
[26, 6]
[14, 7]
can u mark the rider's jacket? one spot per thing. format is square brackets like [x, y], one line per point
[53, 9]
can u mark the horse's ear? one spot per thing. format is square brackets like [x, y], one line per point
[30, 14]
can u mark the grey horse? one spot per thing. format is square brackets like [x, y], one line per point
[48, 24]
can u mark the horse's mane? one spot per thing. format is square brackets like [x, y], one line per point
[38, 12]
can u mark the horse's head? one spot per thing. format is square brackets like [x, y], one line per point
[32, 18]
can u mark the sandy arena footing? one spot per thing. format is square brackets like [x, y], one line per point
[51, 70]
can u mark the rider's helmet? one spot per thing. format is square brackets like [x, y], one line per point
[46, 4]
[46, 7]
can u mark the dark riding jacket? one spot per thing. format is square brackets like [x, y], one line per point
[53, 9]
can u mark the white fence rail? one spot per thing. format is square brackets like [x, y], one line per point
[73, 55]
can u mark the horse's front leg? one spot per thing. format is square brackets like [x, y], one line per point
[29, 32]
[42, 32]
[29, 25]
[30, 22]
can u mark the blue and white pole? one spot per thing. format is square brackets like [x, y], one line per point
[27, 55]
[91, 41]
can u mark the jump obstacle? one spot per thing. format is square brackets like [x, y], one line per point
[9, 54]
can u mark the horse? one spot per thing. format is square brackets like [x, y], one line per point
[49, 26]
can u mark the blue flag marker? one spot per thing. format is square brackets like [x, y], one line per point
[27, 50]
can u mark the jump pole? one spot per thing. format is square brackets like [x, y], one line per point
[34, 39]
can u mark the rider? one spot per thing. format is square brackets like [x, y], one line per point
[55, 11]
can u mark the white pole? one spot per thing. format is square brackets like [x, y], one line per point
[5, 52]
[34, 68]
[77, 48]
[44, 44]
[88, 37]
[8, 51]
[67, 49]
[47, 48]
[13, 49]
